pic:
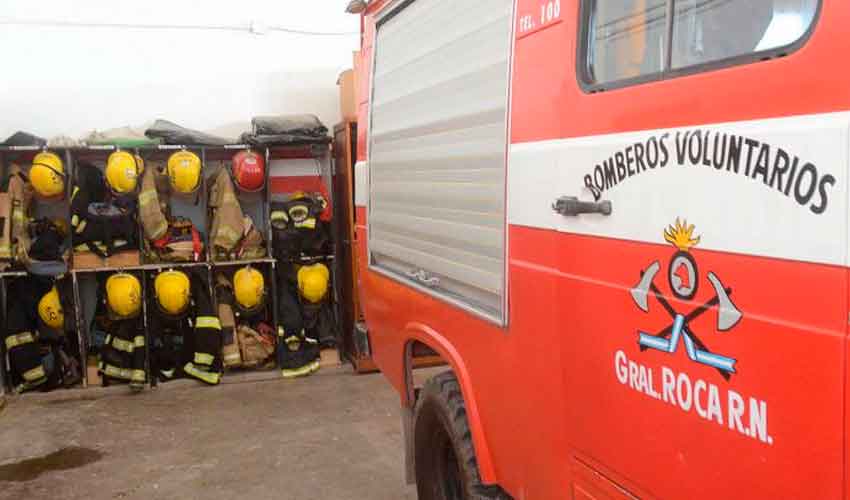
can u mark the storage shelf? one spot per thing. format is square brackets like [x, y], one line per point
[226, 263]
[161, 147]
[141, 267]
[316, 258]
[84, 286]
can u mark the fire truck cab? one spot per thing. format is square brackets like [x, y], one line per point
[623, 225]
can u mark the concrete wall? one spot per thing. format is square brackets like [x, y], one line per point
[73, 66]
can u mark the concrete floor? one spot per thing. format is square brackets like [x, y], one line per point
[330, 436]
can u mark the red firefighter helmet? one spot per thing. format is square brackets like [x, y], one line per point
[249, 170]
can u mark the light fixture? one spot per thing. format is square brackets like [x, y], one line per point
[356, 6]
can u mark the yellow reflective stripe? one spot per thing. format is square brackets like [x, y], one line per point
[74, 192]
[203, 358]
[308, 223]
[34, 374]
[207, 322]
[301, 372]
[75, 219]
[5, 251]
[139, 341]
[20, 339]
[137, 376]
[30, 385]
[145, 197]
[17, 214]
[123, 345]
[115, 372]
[208, 377]
[279, 215]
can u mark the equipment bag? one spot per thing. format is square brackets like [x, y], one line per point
[181, 242]
[107, 228]
[255, 348]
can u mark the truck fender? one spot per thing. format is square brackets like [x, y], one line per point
[431, 338]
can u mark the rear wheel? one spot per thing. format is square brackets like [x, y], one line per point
[446, 466]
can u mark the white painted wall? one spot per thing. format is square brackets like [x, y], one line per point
[62, 79]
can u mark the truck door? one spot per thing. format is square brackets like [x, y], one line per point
[703, 282]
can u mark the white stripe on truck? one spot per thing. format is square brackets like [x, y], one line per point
[775, 188]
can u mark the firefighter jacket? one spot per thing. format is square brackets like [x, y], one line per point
[227, 217]
[122, 356]
[230, 353]
[233, 235]
[21, 338]
[5, 230]
[20, 195]
[37, 354]
[151, 214]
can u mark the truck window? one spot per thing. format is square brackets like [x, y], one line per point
[438, 143]
[626, 41]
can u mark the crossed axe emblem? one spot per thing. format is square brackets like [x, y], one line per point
[667, 340]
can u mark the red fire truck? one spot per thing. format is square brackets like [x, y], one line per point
[623, 225]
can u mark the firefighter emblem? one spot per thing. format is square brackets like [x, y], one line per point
[683, 278]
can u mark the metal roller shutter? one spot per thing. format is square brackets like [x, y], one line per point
[438, 149]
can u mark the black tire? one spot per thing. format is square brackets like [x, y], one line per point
[446, 466]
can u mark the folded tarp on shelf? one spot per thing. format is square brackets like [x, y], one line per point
[171, 133]
[125, 137]
[24, 139]
[286, 130]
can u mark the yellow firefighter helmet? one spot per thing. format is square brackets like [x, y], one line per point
[184, 171]
[50, 309]
[313, 282]
[173, 290]
[47, 175]
[124, 295]
[249, 289]
[122, 171]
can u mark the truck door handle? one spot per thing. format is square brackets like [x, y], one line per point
[569, 206]
[422, 276]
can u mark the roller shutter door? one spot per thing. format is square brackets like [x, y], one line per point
[438, 148]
